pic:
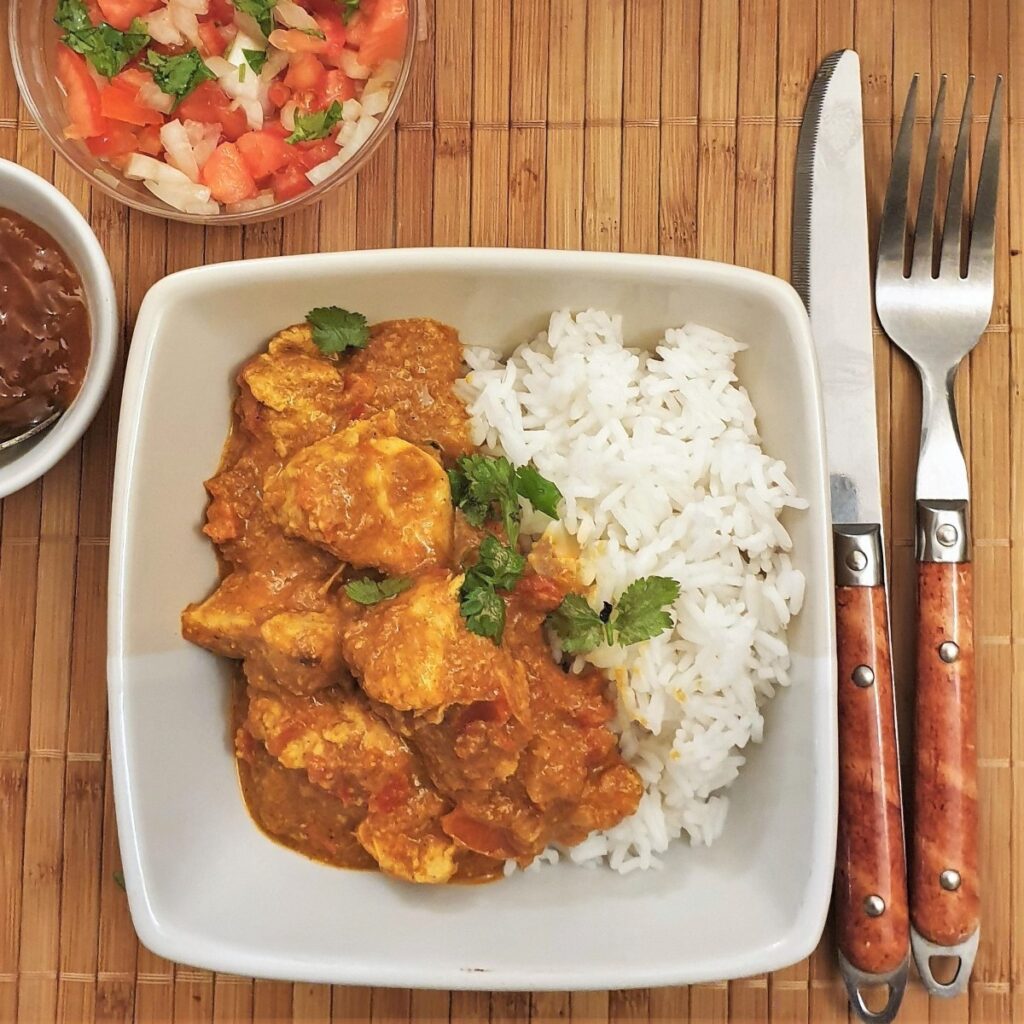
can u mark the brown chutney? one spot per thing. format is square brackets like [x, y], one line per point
[44, 326]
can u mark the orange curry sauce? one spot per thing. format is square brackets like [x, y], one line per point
[388, 735]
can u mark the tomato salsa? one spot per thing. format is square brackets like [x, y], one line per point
[229, 105]
[44, 327]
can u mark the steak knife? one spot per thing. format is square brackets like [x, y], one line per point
[831, 271]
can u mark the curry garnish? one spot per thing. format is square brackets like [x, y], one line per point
[335, 329]
[498, 567]
[639, 615]
[487, 486]
[367, 591]
[106, 48]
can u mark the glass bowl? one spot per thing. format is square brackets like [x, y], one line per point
[34, 37]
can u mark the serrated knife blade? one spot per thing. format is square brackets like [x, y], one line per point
[831, 270]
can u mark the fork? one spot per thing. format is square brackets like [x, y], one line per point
[936, 312]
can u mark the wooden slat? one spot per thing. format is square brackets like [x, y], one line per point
[642, 125]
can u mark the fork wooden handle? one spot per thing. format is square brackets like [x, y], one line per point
[871, 890]
[944, 857]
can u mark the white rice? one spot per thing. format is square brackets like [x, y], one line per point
[662, 471]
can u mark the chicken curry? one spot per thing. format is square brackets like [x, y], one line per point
[373, 727]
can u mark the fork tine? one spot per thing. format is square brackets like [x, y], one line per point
[952, 229]
[981, 262]
[924, 227]
[892, 235]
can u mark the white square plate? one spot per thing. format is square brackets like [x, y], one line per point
[208, 888]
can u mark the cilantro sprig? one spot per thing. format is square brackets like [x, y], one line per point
[108, 49]
[349, 8]
[179, 75]
[318, 125]
[367, 591]
[486, 486]
[498, 567]
[262, 11]
[336, 329]
[256, 59]
[639, 615]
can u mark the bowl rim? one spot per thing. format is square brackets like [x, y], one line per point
[105, 326]
[158, 208]
[175, 942]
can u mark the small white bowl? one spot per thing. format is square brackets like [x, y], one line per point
[38, 201]
[206, 887]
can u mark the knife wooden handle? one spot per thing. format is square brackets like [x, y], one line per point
[871, 888]
[944, 858]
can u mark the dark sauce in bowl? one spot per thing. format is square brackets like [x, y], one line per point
[44, 327]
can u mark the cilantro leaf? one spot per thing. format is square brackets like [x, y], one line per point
[335, 329]
[540, 492]
[499, 566]
[367, 591]
[261, 10]
[348, 9]
[177, 76]
[255, 59]
[105, 47]
[578, 626]
[483, 610]
[482, 482]
[118, 877]
[639, 614]
[310, 127]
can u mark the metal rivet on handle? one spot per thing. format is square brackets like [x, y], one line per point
[857, 561]
[950, 880]
[863, 676]
[947, 535]
[949, 652]
[874, 906]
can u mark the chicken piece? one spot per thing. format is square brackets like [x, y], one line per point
[461, 700]
[299, 652]
[369, 498]
[414, 653]
[348, 751]
[412, 366]
[293, 395]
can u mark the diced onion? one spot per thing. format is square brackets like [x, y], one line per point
[188, 198]
[346, 133]
[277, 61]
[162, 29]
[179, 149]
[361, 131]
[288, 115]
[203, 139]
[140, 166]
[350, 65]
[384, 77]
[152, 96]
[244, 90]
[292, 15]
[183, 15]
[253, 112]
[350, 110]
[260, 202]
[376, 103]
[249, 25]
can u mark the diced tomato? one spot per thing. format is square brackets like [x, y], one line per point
[213, 40]
[263, 152]
[333, 28]
[489, 840]
[276, 128]
[121, 13]
[392, 794]
[309, 154]
[290, 182]
[150, 142]
[383, 31]
[336, 86]
[118, 141]
[120, 103]
[279, 94]
[132, 78]
[227, 175]
[209, 104]
[305, 71]
[222, 11]
[84, 115]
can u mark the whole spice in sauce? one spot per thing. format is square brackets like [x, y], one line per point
[44, 326]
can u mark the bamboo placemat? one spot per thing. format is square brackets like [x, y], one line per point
[644, 125]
